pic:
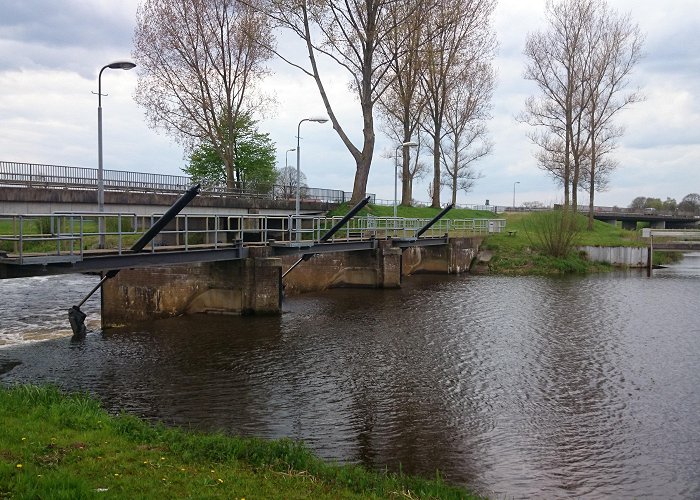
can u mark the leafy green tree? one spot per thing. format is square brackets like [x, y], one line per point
[254, 164]
[654, 203]
[670, 205]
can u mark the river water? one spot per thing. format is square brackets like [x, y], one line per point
[515, 387]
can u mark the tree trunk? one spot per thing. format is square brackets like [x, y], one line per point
[436, 168]
[230, 178]
[364, 159]
[454, 187]
[406, 180]
[406, 184]
[591, 188]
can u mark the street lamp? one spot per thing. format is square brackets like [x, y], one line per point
[409, 144]
[317, 119]
[125, 65]
[286, 156]
[516, 182]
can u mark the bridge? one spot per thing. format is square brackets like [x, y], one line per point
[225, 255]
[39, 188]
[225, 263]
[667, 240]
[60, 243]
[630, 217]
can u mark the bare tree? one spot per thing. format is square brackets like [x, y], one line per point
[465, 140]
[581, 66]
[616, 45]
[350, 34]
[417, 169]
[199, 63]
[401, 105]
[459, 34]
[556, 61]
[287, 182]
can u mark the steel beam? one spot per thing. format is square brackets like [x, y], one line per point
[350, 246]
[113, 262]
[419, 242]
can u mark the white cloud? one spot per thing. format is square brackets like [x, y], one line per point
[52, 51]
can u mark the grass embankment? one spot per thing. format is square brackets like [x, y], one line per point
[517, 251]
[413, 212]
[54, 445]
[36, 229]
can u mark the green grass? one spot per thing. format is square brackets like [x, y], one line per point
[56, 446]
[41, 227]
[518, 254]
[413, 212]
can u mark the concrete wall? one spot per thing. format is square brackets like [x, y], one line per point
[381, 268]
[233, 287]
[15, 200]
[618, 256]
[454, 258]
[254, 285]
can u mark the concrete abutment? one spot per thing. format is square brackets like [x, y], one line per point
[243, 286]
[254, 285]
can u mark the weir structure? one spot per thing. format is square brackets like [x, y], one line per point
[233, 264]
[667, 240]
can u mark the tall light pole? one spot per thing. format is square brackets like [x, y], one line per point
[409, 144]
[286, 156]
[516, 182]
[317, 119]
[125, 65]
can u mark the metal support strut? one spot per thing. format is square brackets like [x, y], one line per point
[434, 220]
[331, 232]
[76, 317]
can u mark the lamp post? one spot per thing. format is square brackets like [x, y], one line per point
[317, 119]
[125, 65]
[286, 156]
[409, 144]
[516, 182]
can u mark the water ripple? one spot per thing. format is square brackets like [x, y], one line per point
[525, 387]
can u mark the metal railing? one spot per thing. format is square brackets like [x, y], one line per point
[66, 236]
[67, 177]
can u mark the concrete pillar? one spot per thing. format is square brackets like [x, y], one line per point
[658, 224]
[378, 268]
[388, 265]
[630, 225]
[245, 286]
[454, 258]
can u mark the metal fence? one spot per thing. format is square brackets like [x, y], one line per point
[60, 176]
[64, 237]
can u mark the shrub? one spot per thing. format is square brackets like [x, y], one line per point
[555, 233]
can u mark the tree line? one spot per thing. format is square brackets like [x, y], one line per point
[424, 67]
[690, 204]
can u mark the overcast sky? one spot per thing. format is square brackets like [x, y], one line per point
[51, 52]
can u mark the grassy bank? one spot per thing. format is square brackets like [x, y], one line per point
[54, 445]
[414, 212]
[518, 252]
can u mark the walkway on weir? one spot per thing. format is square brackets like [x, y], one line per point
[60, 243]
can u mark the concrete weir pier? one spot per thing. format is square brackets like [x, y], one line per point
[254, 285]
[245, 286]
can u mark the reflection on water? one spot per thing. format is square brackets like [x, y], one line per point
[546, 387]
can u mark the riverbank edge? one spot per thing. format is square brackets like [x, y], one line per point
[63, 445]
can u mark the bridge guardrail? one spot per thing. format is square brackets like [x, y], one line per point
[67, 235]
[62, 176]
